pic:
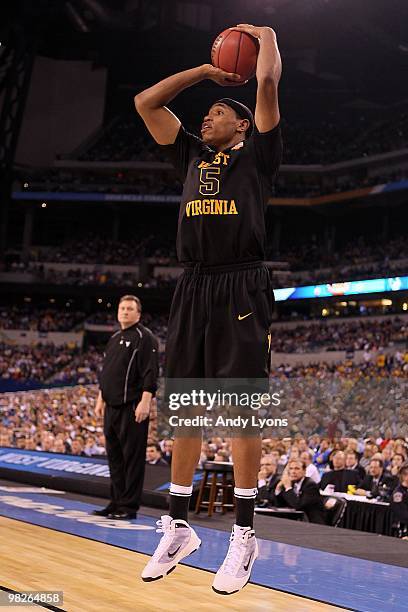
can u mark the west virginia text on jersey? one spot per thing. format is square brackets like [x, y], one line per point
[222, 207]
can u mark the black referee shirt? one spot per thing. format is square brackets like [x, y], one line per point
[130, 366]
[222, 211]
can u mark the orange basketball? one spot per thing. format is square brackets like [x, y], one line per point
[235, 51]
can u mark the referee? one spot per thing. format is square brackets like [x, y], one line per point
[128, 382]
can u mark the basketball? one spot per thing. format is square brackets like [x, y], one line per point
[235, 51]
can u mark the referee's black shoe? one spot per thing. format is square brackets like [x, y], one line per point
[122, 516]
[104, 511]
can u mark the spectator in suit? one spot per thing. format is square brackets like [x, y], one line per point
[377, 482]
[339, 476]
[154, 456]
[279, 456]
[167, 451]
[352, 463]
[267, 481]
[311, 470]
[298, 491]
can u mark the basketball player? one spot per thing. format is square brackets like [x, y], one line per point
[222, 306]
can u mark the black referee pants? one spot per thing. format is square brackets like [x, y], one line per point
[126, 443]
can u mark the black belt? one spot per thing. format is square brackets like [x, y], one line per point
[200, 268]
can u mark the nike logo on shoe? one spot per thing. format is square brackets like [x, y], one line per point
[249, 561]
[173, 554]
[240, 317]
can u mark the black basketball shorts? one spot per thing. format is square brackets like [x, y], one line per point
[219, 324]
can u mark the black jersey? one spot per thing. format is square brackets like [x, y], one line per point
[130, 366]
[222, 210]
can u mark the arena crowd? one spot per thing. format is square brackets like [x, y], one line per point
[124, 139]
[306, 262]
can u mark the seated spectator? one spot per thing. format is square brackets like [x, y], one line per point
[298, 491]
[314, 442]
[59, 446]
[311, 470]
[302, 445]
[352, 463]
[91, 449]
[294, 453]
[278, 453]
[30, 444]
[386, 456]
[154, 455]
[399, 500]
[377, 483]
[21, 442]
[267, 481]
[369, 449]
[396, 463]
[352, 444]
[321, 456]
[401, 447]
[77, 446]
[339, 476]
[48, 440]
[167, 450]
[5, 439]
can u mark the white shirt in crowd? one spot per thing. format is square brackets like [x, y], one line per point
[313, 473]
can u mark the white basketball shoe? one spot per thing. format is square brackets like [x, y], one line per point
[175, 544]
[235, 572]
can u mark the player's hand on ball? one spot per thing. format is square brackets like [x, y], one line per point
[255, 31]
[220, 76]
[142, 411]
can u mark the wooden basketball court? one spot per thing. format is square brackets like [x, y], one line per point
[95, 576]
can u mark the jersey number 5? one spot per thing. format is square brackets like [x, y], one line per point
[209, 183]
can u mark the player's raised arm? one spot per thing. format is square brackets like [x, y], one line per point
[151, 103]
[268, 73]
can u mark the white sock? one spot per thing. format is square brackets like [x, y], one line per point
[180, 490]
[245, 493]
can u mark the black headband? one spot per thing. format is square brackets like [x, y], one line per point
[242, 111]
